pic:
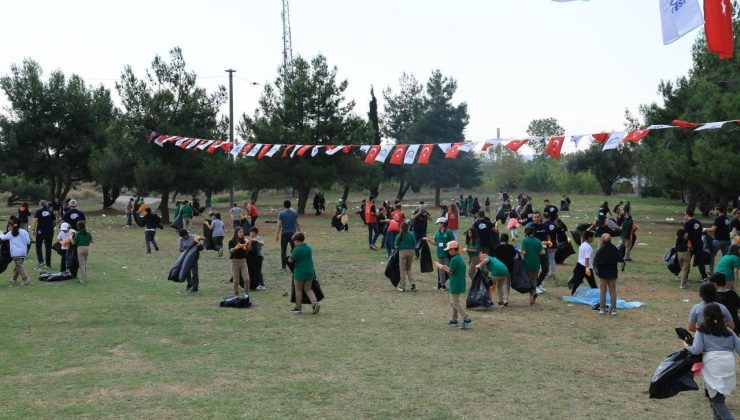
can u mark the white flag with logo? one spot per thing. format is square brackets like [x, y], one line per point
[614, 140]
[192, 144]
[236, 149]
[254, 150]
[315, 151]
[679, 17]
[712, 125]
[365, 148]
[274, 149]
[411, 154]
[385, 150]
[181, 141]
[660, 127]
[468, 146]
[205, 144]
[444, 147]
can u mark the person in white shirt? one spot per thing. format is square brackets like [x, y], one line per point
[584, 268]
[65, 239]
[19, 241]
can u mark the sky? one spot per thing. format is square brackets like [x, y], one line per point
[582, 62]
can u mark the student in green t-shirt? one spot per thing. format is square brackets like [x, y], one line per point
[302, 259]
[82, 239]
[456, 272]
[499, 273]
[531, 251]
[187, 214]
[441, 237]
[405, 243]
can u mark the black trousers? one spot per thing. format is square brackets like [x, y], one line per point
[285, 239]
[579, 273]
[544, 268]
[45, 238]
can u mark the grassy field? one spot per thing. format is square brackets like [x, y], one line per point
[130, 344]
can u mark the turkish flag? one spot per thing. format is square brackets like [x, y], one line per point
[215, 145]
[266, 148]
[514, 145]
[398, 154]
[347, 149]
[247, 147]
[425, 154]
[600, 137]
[287, 150]
[489, 143]
[186, 143]
[718, 27]
[636, 135]
[302, 151]
[152, 135]
[372, 153]
[685, 124]
[454, 151]
[227, 146]
[554, 145]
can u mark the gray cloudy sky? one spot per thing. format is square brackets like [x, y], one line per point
[514, 60]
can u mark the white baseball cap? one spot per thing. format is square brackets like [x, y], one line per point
[65, 226]
[442, 220]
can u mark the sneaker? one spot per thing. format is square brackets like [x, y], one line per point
[613, 312]
[296, 310]
[373, 247]
[532, 298]
[193, 290]
[506, 303]
[452, 323]
[413, 286]
[442, 287]
[245, 296]
[401, 289]
[316, 307]
[465, 324]
[39, 265]
[261, 287]
[602, 311]
[683, 286]
[541, 289]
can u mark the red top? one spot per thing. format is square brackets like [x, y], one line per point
[398, 216]
[394, 226]
[253, 211]
[453, 221]
[369, 216]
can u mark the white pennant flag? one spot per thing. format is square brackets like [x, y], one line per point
[365, 148]
[468, 146]
[236, 149]
[576, 139]
[444, 147]
[295, 150]
[712, 125]
[205, 144]
[192, 144]
[333, 150]
[274, 149]
[660, 127]
[411, 154]
[254, 150]
[491, 142]
[315, 151]
[181, 141]
[385, 150]
[679, 17]
[614, 140]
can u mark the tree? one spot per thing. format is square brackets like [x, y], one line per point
[168, 100]
[540, 130]
[607, 166]
[306, 106]
[375, 125]
[52, 127]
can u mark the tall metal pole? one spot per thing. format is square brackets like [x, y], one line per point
[231, 125]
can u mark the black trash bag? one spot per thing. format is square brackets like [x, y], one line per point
[235, 302]
[184, 263]
[671, 261]
[315, 286]
[563, 251]
[577, 236]
[622, 249]
[520, 281]
[208, 234]
[72, 263]
[59, 276]
[425, 257]
[674, 375]
[392, 270]
[252, 262]
[478, 294]
[177, 224]
[245, 226]
[57, 247]
[5, 257]
[139, 219]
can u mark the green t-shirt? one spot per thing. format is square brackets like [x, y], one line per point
[457, 275]
[187, 211]
[496, 268]
[727, 265]
[533, 246]
[441, 238]
[177, 211]
[626, 229]
[476, 246]
[208, 202]
[83, 239]
[302, 257]
[405, 240]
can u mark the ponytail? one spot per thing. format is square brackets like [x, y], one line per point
[16, 229]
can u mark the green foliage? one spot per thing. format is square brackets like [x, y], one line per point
[542, 129]
[20, 189]
[606, 166]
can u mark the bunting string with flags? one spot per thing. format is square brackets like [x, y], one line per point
[420, 154]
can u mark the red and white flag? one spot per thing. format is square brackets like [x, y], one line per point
[266, 148]
[425, 154]
[193, 144]
[489, 143]
[286, 152]
[151, 136]
[180, 140]
[315, 151]
[454, 151]
[256, 149]
[554, 145]
[246, 149]
[718, 27]
[410, 155]
[385, 150]
[227, 146]
[302, 150]
[347, 149]
[272, 151]
[237, 149]
[685, 124]
[614, 140]
[515, 145]
[679, 17]
[204, 144]
[600, 137]
[444, 147]
[372, 153]
[636, 135]
[333, 150]
[215, 145]
[712, 125]
[398, 154]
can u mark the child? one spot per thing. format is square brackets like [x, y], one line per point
[456, 272]
[257, 248]
[727, 297]
[238, 248]
[683, 256]
[472, 248]
[188, 239]
[303, 271]
[512, 225]
[405, 244]
[217, 233]
[585, 265]
[82, 239]
[531, 251]
[65, 239]
[19, 241]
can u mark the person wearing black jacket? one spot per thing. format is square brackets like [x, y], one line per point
[43, 226]
[152, 222]
[694, 230]
[505, 252]
[605, 262]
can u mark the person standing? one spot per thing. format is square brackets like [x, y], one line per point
[187, 240]
[552, 244]
[287, 226]
[441, 238]
[456, 272]
[65, 239]
[187, 214]
[542, 233]
[487, 233]
[259, 256]
[585, 265]
[453, 219]
[129, 212]
[217, 233]
[683, 257]
[419, 221]
[487, 204]
[303, 273]
[505, 253]
[694, 230]
[606, 259]
[551, 210]
[532, 252]
[394, 228]
[23, 215]
[253, 213]
[152, 222]
[82, 239]
[43, 225]
[721, 228]
[405, 243]
[73, 215]
[626, 235]
[56, 207]
[371, 220]
[472, 248]
[19, 241]
[238, 248]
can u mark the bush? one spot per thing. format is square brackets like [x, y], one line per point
[21, 190]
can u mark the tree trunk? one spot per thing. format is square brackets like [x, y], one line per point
[52, 188]
[174, 196]
[437, 191]
[110, 194]
[375, 189]
[345, 193]
[723, 200]
[255, 195]
[403, 188]
[13, 200]
[164, 211]
[65, 191]
[303, 193]
[691, 202]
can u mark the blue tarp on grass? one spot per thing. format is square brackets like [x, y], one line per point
[587, 296]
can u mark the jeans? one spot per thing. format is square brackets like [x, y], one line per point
[193, 279]
[373, 231]
[720, 410]
[44, 238]
[149, 240]
[441, 274]
[129, 217]
[285, 239]
[390, 239]
[722, 246]
[551, 261]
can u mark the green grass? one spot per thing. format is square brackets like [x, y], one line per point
[132, 344]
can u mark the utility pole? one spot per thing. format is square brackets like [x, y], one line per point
[287, 42]
[231, 126]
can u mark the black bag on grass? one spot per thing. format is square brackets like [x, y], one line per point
[577, 236]
[392, 270]
[563, 251]
[184, 263]
[235, 302]
[671, 261]
[5, 257]
[315, 286]
[674, 375]
[520, 281]
[478, 295]
[425, 257]
[59, 276]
